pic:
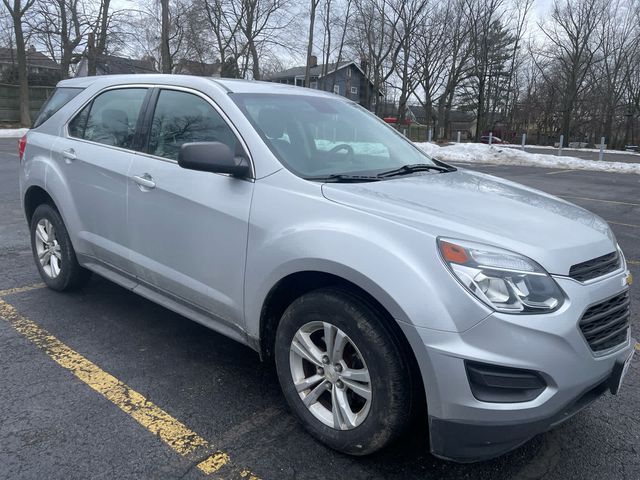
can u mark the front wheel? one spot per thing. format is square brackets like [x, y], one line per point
[53, 252]
[341, 372]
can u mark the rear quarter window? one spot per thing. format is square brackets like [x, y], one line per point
[60, 97]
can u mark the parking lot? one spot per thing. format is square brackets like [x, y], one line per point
[104, 384]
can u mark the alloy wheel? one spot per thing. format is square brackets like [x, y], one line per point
[330, 375]
[48, 248]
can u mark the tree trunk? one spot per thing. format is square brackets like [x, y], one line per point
[255, 67]
[25, 116]
[312, 21]
[165, 53]
[97, 46]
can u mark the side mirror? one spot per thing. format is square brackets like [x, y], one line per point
[213, 157]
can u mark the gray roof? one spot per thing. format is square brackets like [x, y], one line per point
[191, 67]
[34, 58]
[313, 71]
[112, 65]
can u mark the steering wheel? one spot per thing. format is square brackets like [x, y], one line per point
[344, 146]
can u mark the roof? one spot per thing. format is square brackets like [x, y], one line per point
[192, 67]
[228, 84]
[34, 58]
[112, 65]
[313, 71]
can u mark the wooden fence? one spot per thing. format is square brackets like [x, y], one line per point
[10, 101]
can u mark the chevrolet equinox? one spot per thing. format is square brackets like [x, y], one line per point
[384, 284]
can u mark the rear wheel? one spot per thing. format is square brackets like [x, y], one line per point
[341, 372]
[53, 253]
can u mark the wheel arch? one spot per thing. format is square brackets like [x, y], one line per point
[34, 196]
[294, 285]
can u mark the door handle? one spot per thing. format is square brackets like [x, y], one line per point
[69, 155]
[144, 181]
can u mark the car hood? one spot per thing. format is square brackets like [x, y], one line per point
[475, 206]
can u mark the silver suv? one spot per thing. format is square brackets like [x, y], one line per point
[383, 283]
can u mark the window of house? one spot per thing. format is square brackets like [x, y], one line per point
[349, 72]
[354, 90]
[336, 89]
[314, 85]
[110, 118]
[182, 117]
[299, 82]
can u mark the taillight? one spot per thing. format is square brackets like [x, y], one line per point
[22, 143]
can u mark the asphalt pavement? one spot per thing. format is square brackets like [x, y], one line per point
[60, 417]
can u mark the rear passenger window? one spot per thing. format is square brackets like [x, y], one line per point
[61, 96]
[110, 118]
[180, 118]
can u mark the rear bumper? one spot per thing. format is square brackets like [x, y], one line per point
[469, 442]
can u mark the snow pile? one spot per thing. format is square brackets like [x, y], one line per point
[493, 154]
[12, 132]
[594, 150]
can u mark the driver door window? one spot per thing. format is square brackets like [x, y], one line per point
[182, 117]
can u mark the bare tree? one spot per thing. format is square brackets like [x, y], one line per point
[97, 42]
[165, 34]
[619, 41]
[433, 57]
[60, 26]
[572, 45]
[375, 40]
[410, 15]
[312, 21]
[18, 9]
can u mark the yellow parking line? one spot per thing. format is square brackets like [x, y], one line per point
[633, 262]
[172, 432]
[638, 346]
[559, 171]
[633, 225]
[600, 200]
[11, 291]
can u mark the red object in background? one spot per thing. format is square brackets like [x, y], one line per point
[22, 143]
[407, 121]
[494, 140]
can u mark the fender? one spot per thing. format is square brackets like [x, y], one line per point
[382, 257]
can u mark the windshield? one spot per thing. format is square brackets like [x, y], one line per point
[319, 137]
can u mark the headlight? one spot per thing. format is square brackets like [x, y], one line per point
[504, 280]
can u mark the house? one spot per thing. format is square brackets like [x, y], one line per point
[345, 78]
[203, 69]
[112, 65]
[37, 62]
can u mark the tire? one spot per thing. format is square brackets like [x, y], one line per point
[370, 347]
[62, 271]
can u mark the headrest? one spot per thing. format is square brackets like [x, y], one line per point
[115, 120]
[271, 121]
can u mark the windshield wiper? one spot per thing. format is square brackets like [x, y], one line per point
[344, 178]
[418, 167]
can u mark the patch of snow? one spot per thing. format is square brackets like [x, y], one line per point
[499, 155]
[12, 132]
[568, 149]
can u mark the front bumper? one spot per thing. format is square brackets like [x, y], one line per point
[469, 442]
[466, 429]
